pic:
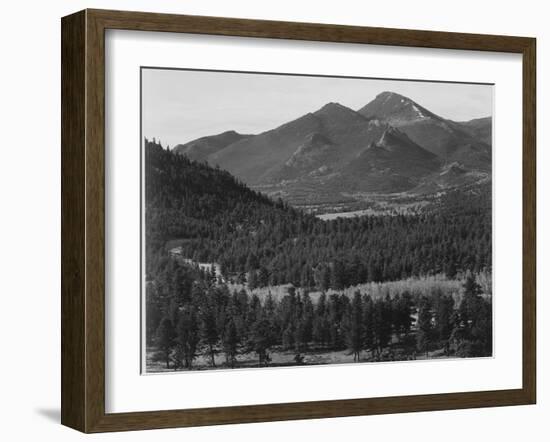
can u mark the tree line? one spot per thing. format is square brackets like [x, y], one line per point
[190, 314]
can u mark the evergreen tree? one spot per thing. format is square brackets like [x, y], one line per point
[262, 277]
[307, 317]
[482, 331]
[444, 310]
[165, 338]
[230, 342]
[475, 336]
[187, 337]
[402, 313]
[382, 323]
[354, 327]
[153, 313]
[424, 327]
[368, 324]
[209, 331]
[320, 321]
[450, 269]
[470, 303]
[337, 276]
[321, 276]
[252, 279]
[261, 340]
[288, 337]
[254, 310]
[300, 336]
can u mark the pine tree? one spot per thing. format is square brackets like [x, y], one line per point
[252, 279]
[209, 331]
[153, 313]
[254, 310]
[470, 303]
[382, 323]
[402, 313]
[262, 277]
[476, 319]
[320, 321]
[261, 339]
[368, 324]
[269, 306]
[337, 276]
[321, 276]
[444, 309]
[307, 317]
[251, 262]
[230, 342]
[165, 338]
[482, 331]
[300, 338]
[424, 327]
[288, 337]
[187, 337]
[354, 327]
[450, 269]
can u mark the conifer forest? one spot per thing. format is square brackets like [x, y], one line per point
[239, 274]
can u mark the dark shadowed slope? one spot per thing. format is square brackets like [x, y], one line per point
[482, 128]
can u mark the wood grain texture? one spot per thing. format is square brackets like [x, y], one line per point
[529, 221]
[83, 220]
[73, 253]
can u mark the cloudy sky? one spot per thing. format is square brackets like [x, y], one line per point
[179, 106]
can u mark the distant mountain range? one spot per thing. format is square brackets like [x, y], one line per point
[390, 145]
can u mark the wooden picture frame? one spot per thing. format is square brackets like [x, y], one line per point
[83, 220]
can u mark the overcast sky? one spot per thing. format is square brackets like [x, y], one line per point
[180, 106]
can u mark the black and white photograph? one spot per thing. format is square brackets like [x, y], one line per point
[301, 220]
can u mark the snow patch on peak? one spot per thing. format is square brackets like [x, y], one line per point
[418, 112]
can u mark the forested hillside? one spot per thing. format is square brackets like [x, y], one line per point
[195, 320]
[215, 218]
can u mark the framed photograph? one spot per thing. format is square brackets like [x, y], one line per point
[267, 221]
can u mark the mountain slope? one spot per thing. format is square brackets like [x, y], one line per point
[251, 158]
[392, 144]
[201, 148]
[445, 138]
[394, 163]
[482, 128]
[329, 137]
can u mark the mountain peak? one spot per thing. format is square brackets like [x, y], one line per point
[332, 107]
[395, 108]
[337, 115]
[389, 94]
